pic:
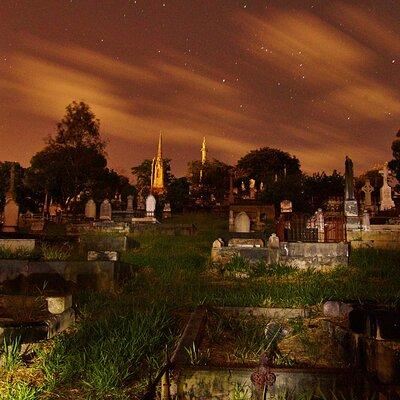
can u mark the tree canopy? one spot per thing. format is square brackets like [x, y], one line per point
[266, 164]
[214, 180]
[394, 165]
[73, 161]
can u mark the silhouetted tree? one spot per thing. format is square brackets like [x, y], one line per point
[73, 159]
[394, 165]
[214, 180]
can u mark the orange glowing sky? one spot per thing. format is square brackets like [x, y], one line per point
[319, 79]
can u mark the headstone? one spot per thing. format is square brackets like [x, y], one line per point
[273, 249]
[350, 203]
[387, 202]
[90, 209]
[150, 205]
[365, 221]
[320, 225]
[129, 204]
[286, 206]
[11, 208]
[105, 210]
[11, 216]
[167, 210]
[367, 189]
[37, 227]
[242, 222]
[273, 241]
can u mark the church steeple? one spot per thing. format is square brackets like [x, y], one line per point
[159, 151]
[203, 152]
[157, 170]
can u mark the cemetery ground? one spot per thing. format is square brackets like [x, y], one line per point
[119, 339]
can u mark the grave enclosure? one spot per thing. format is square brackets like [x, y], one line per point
[217, 372]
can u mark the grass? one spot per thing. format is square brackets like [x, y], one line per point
[46, 252]
[117, 345]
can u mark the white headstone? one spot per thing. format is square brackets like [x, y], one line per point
[387, 202]
[11, 215]
[150, 205]
[242, 222]
[129, 203]
[90, 209]
[105, 210]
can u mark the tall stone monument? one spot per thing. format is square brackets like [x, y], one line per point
[105, 210]
[90, 209]
[129, 204]
[11, 208]
[350, 202]
[386, 202]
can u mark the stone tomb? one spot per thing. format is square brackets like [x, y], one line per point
[105, 210]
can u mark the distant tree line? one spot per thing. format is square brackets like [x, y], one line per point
[72, 167]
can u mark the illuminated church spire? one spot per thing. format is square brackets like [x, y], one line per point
[157, 170]
[203, 152]
[203, 157]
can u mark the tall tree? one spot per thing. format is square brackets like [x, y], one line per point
[319, 187]
[394, 165]
[73, 158]
[279, 172]
[214, 178]
[266, 164]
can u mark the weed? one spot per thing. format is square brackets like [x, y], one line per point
[21, 253]
[55, 252]
[241, 391]
[197, 356]
[12, 354]
[19, 391]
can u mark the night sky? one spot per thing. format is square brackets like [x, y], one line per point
[319, 79]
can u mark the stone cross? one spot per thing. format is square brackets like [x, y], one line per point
[367, 189]
[387, 202]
